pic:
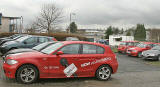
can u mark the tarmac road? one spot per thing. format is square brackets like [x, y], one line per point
[133, 72]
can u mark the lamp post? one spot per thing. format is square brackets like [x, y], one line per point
[70, 17]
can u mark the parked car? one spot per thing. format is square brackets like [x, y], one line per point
[153, 54]
[72, 39]
[62, 60]
[36, 48]
[28, 41]
[10, 37]
[102, 41]
[14, 38]
[124, 45]
[137, 51]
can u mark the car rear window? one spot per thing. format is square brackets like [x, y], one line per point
[92, 49]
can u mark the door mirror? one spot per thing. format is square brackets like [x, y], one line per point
[59, 53]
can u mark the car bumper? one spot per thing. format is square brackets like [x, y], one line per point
[132, 53]
[150, 57]
[114, 67]
[10, 70]
[121, 50]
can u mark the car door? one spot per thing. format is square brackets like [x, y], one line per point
[89, 58]
[69, 58]
[30, 42]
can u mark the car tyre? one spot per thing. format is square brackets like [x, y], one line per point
[27, 74]
[103, 73]
[158, 58]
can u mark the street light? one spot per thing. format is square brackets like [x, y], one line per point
[71, 21]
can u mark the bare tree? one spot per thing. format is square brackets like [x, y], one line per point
[49, 17]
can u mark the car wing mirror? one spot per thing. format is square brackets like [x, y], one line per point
[59, 53]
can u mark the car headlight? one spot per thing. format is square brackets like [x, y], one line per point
[11, 62]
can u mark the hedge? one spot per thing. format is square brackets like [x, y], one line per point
[58, 36]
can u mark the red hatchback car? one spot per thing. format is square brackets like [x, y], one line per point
[124, 45]
[137, 51]
[62, 60]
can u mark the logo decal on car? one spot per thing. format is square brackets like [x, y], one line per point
[94, 62]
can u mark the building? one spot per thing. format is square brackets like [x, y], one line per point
[115, 40]
[92, 34]
[10, 24]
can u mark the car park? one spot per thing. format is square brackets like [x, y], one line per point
[28, 41]
[124, 45]
[137, 51]
[63, 60]
[152, 54]
[36, 48]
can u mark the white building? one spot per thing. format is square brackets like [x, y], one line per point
[115, 40]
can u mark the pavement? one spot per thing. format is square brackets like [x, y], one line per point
[132, 72]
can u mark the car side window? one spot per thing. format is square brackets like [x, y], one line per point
[100, 50]
[30, 40]
[92, 49]
[70, 49]
[42, 39]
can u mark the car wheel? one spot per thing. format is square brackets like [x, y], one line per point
[158, 58]
[140, 54]
[103, 72]
[27, 74]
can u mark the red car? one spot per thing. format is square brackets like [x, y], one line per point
[124, 45]
[137, 51]
[62, 60]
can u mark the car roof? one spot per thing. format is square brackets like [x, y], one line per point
[82, 42]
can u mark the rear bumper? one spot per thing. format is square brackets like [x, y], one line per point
[114, 67]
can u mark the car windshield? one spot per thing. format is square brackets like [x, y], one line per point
[142, 45]
[130, 44]
[51, 48]
[15, 38]
[21, 39]
[156, 48]
[41, 46]
[123, 43]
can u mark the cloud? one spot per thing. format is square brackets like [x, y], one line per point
[91, 13]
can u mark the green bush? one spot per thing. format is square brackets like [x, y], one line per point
[58, 36]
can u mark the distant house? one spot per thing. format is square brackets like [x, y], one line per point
[10, 24]
[92, 34]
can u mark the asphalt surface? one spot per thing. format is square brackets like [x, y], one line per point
[132, 72]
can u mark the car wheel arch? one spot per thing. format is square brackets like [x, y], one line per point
[28, 64]
[102, 65]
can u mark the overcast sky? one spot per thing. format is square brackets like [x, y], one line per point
[91, 13]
